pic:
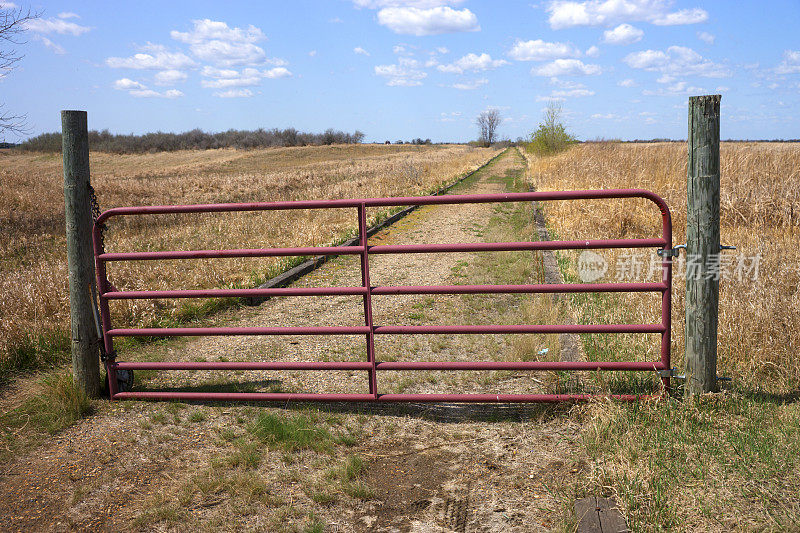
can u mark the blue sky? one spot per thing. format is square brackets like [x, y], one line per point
[399, 69]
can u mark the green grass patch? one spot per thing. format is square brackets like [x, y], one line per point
[56, 404]
[292, 432]
[35, 351]
[349, 474]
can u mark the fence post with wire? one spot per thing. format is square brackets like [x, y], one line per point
[80, 255]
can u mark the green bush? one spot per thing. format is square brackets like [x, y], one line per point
[552, 136]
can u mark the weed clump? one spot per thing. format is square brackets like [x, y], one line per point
[291, 432]
[57, 405]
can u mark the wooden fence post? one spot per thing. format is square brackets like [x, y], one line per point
[80, 258]
[702, 245]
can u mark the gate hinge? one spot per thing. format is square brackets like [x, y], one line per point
[670, 373]
[671, 252]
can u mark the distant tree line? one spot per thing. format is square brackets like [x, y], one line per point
[104, 141]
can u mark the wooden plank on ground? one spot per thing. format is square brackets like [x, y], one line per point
[599, 515]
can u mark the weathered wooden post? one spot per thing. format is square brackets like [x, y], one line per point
[702, 245]
[78, 210]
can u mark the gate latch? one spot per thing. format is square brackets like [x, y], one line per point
[671, 252]
[675, 251]
[670, 373]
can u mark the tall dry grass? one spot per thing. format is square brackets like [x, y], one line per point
[33, 273]
[759, 320]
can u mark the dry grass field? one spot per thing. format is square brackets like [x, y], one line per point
[33, 273]
[759, 321]
[721, 462]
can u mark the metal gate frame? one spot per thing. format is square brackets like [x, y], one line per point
[108, 292]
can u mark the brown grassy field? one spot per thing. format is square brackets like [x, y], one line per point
[759, 321]
[33, 284]
[722, 462]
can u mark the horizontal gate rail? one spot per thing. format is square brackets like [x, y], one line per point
[372, 365]
[392, 290]
[389, 365]
[387, 330]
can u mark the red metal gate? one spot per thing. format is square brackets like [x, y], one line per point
[371, 366]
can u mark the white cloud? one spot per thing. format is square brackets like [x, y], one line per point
[170, 77]
[608, 116]
[212, 72]
[226, 83]
[442, 50]
[677, 61]
[404, 74]
[568, 88]
[567, 67]
[470, 85]
[647, 59]
[225, 53]
[312, 53]
[472, 62]
[593, 51]
[68, 15]
[57, 49]
[213, 30]
[158, 59]
[540, 50]
[277, 72]
[623, 34]
[433, 21]
[149, 93]
[706, 37]
[449, 117]
[8, 5]
[56, 25]
[248, 77]
[215, 42]
[627, 83]
[572, 93]
[566, 84]
[234, 93]
[126, 84]
[684, 16]
[359, 50]
[790, 63]
[569, 13]
[678, 88]
[139, 90]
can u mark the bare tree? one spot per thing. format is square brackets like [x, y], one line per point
[488, 122]
[13, 24]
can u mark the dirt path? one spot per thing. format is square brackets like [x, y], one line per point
[170, 466]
